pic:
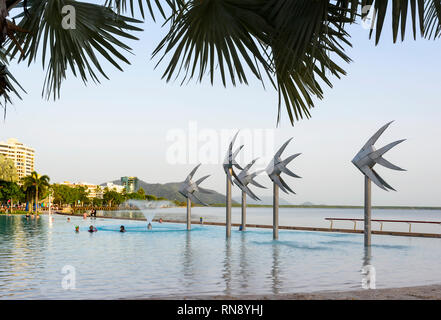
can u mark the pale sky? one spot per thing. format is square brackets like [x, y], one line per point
[102, 132]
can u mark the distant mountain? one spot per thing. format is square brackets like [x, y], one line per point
[170, 191]
[268, 200]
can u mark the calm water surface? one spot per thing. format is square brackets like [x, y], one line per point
[171, 261]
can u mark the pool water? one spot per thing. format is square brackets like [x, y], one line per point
[36, 256]
[305, 217]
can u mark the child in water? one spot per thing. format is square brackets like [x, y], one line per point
[92, 229]
[149, 226]
[122, 229]
[77, 228]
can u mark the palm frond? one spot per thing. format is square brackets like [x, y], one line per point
[307, 36]
[8, 84]
[132, 6]
[291, 40]
[210, 34]
[432, 19]
[97, 29]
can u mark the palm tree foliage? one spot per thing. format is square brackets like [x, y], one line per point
[35, 184]
[296, 45]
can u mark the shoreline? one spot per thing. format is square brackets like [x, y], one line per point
[425, 292]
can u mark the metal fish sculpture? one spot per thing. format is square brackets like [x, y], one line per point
[188, 187]
[277, 166]
[369, 156]
[244, 178]
[230, 160]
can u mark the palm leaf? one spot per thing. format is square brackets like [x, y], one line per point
[307, 35]
[96, 31]
[123, 6]
[8, 83]
[209, 34]
[432, 19]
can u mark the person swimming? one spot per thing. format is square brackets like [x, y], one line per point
[122, 229]
[92, 229]
[160, 220]
[68, 219]
[149, 226]
[77, 228]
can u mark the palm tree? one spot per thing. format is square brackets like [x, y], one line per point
[295, 45]
[36, 183]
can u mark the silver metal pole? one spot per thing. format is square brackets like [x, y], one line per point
[367, 211]
[228, 205]
[244, 210]
[188, 214]
[275, 211]
[50, 203]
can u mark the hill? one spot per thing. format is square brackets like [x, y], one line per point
[170, 191]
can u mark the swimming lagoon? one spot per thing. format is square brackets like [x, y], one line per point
[168, 261]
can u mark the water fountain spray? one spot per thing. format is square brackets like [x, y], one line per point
[150, 208]
[228, 165]
[365, 160]
[274, 170]
[243, 179]
[188, 189]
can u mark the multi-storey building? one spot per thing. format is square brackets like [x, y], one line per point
[23, 156]
[130, 183]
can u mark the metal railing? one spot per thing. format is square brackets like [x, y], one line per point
[354, 220]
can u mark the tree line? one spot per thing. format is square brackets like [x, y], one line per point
[35, 189]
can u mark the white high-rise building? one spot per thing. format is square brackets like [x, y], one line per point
[23, 156]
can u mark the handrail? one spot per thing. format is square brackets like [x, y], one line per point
[408, 221]
[381, 222]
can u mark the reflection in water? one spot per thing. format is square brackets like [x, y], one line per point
[368, 274]
[22, 242]
[244, 266]
[275, 268]
[188, 271]
[227, 267]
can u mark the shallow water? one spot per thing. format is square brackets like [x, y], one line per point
[171, 261]
[306, 217]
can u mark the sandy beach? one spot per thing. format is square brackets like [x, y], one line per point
[430, 292]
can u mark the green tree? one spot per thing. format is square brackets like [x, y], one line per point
[11, 191]
[8, 172]
[112, 197]
[37, 183]
[151, 197]
[141, 192]
[296, 45]
[97, 202]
